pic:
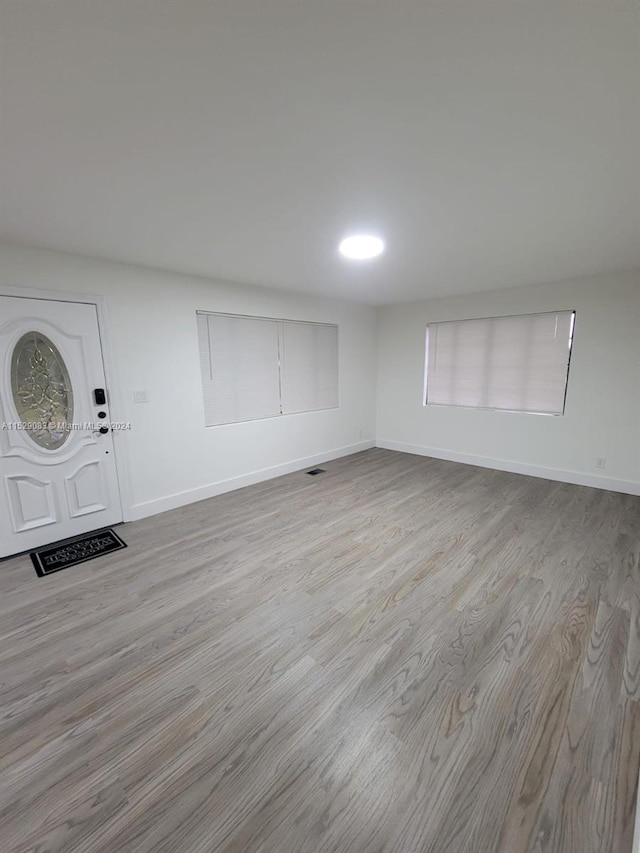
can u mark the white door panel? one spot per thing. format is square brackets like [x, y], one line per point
[85, 490]
[57, 471]
[31, 502]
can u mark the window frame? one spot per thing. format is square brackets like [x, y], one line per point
[572, 329]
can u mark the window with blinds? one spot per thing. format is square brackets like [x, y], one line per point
[253, 367]
[517, 364]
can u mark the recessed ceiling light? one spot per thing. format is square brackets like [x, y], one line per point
[360, 247]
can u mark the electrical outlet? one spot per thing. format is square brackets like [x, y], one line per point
[361, 434]
[601, 462]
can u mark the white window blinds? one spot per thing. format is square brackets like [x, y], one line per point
[239, 363]
[260, 368]
[512, 363]
[309, 365]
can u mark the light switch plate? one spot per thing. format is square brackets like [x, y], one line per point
[140, 397]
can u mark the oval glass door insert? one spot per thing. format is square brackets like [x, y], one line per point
[41, 390]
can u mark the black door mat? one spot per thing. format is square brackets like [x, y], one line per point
[69, 552]
[315, 471]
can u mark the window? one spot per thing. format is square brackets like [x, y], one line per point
[253, 367]
[518, 364]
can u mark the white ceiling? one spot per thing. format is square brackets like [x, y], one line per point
[493, 143]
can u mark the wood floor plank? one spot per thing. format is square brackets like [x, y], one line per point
[402, 654]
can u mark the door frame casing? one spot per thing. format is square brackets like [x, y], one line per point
[115, 402]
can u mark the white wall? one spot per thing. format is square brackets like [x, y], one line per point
[169, 457]
[602, 417]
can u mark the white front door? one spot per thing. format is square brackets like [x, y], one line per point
[57, 466]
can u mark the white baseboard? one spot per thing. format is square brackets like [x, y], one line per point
[146, 508]
[628, 487]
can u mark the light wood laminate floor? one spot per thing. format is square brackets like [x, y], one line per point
[402, 655]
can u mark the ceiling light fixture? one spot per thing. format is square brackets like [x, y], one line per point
[361, 247]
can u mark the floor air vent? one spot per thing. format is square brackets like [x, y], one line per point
[315, 471]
